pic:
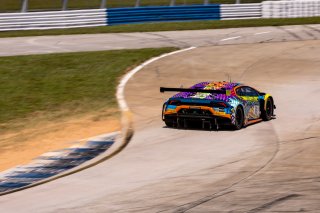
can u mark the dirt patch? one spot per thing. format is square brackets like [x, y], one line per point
[20, 147]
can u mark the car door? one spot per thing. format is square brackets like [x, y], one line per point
[252, 97]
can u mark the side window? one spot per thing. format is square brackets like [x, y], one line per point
[240, 91]
[250, 92]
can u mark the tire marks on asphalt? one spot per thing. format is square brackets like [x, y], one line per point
[273, 202]
[189, 206]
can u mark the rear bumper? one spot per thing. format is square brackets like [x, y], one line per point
[197, 118]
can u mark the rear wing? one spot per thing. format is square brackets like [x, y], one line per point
[166, 89]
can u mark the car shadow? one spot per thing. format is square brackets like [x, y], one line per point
[214, 128]
[199, 128]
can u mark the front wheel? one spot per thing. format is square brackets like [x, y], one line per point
[239, 118]
[268, 112]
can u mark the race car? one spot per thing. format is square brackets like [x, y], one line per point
[214, 104]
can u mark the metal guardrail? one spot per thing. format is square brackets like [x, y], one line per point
[291, 9]
[53, 20]
[240, 11]
[114, 16]
[137, 3]
[163, 14]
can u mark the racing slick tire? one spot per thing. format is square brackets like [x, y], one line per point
[169, 123]
[267, 113]
[239, 116]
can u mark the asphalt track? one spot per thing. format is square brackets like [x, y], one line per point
[182, 39]
[267, 167]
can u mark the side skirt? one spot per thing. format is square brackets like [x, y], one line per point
[253, 121]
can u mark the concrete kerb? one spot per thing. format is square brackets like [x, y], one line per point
[126, 132]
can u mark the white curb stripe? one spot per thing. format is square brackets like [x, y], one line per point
[120, 89]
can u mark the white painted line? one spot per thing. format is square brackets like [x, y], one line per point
[262, 33]
[231, 38]
[120, 89]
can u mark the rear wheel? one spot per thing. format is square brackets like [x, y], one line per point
[239, 118]
[268, 112]
[168, 122]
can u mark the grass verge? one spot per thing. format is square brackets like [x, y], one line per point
[60, 85]
[168, 26]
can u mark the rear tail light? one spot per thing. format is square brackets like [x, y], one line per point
[174, 102]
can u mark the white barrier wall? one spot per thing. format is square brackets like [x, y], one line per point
[53, 19]
[290, 9]
[240, 11]
[99, 17]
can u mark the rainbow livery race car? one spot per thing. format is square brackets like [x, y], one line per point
[212, 104]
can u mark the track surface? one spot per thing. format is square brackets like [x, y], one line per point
[268, 167]
[114, 41]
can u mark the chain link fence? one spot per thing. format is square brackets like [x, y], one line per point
[49, 5]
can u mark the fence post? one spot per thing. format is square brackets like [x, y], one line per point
[24, 6]
[103, 4]
[64, 4]
[238, 1]
[137, 3]
[206, 2]
[172, 2]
